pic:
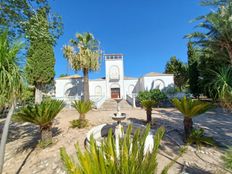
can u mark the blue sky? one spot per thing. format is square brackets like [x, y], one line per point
[147, 32]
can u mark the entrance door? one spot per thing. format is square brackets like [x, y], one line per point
[115, 92]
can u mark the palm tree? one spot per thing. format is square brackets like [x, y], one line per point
[190, 108]
[148, 105]
[83, 54]
[42, 115]
[11, 84]
[82, 108]
[216, 27]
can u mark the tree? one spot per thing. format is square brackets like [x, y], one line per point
[42, 115]
[40, 55]
[193, 72]
[11, 84]
[148, 105]
[215, 30]
[190, 108]
[83, 54]
[213, 40]
[16, 14]
[179, 69]
[63, 75]
[154, 94]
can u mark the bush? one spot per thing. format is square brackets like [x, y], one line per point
[227, 158]
[197, 137]
[154, 94]
[82, 107]
[42, 115]
[105, 159]
[170, 90]
[79, 123]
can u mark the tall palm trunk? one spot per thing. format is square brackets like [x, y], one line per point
[86, 84]
[5, 134]
[148, 112]
[188, 127]
[38, 94]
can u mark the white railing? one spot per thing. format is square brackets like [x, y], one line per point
[68, 100]
[98, 100]
[131, 99]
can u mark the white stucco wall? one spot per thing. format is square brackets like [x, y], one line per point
[129, 86]
[71, 87]
[94, 84]
[148, 82]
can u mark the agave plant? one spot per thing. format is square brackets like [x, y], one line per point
[190, 108]
[104, 159]
[82, 107]
[148, 105]
[42, 115]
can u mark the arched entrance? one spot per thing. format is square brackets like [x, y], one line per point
[115, 91]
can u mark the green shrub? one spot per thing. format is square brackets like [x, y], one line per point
[197, 137]
[42, 115]
[154, 94]
[82, 107]
[79, 123]
[227, 158]
[104, 159]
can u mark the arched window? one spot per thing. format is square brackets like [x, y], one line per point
[114, 73]
[98, 90]
[70, 90]
[130, 89]
[158, 84]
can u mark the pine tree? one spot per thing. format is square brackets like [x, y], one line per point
[40, 55]
[193, 72]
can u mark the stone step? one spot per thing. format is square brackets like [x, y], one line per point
[112, 105]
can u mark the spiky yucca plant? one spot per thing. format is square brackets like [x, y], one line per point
[148, 105]
[41, 115]
[104, 159]
[82, 107]
[190, 108]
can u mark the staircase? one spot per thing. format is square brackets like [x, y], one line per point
[111, 105]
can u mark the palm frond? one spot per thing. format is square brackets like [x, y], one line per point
[191, 107]
[82, 107]
[40, 114]
[104, 159]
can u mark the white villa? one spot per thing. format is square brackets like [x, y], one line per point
[114, 85]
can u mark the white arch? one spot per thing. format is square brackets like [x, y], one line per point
[158, 84]
[130, 89]
[98, 90]
[114, 72]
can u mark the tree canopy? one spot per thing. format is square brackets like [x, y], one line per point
[17, 15]
[179, 69]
